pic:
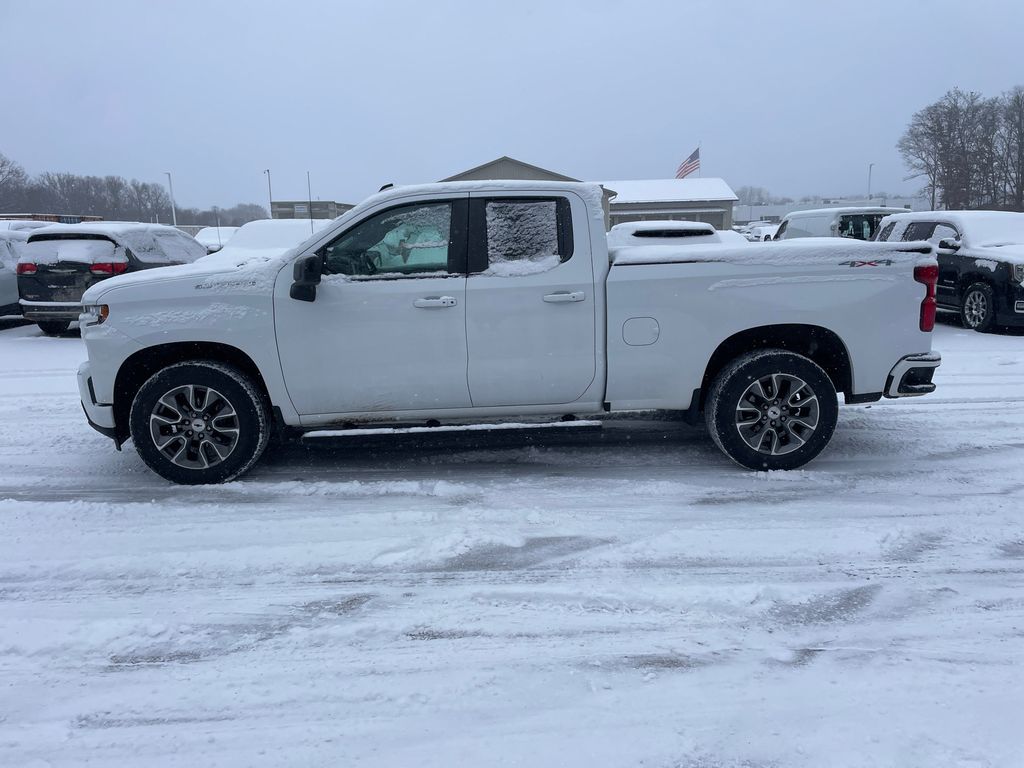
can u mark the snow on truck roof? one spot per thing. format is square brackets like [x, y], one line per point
[670, 190]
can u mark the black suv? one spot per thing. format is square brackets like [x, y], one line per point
[60, 262]
[981, 261]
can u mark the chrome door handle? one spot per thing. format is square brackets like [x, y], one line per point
[563, 297]
[435, 302]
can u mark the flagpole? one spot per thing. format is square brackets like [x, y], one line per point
[701, 160]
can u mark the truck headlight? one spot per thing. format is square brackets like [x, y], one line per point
[93, 314]
[1018, 273]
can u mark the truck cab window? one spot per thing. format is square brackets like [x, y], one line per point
[526, 236]
[918, 230]
[407, 240]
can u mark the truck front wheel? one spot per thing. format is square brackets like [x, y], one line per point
[199, 422]
[772, 410]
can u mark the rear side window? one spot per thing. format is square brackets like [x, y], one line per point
[526, 235]
[143, 246]
[179, 247]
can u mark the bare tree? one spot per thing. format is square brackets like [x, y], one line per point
[13, 181]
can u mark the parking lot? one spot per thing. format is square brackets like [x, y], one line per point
[619, 598]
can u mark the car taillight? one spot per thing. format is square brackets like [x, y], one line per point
[108, 268]
[929, 275]
[26, 268]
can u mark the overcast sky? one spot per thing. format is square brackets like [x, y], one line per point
[798, 97]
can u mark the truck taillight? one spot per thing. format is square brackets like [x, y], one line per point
[108, 268]
[929, 275]
[26, 268]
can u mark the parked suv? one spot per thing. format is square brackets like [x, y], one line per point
[981, 261]
[61, 261]
[857, 223]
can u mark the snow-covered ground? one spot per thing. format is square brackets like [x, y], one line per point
[619, 599]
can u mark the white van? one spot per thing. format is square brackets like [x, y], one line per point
[858, 223]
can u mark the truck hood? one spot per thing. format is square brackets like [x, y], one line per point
[1009, 253]
[224, 271]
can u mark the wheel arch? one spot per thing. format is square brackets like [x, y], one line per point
[137, 369]
[819, 344]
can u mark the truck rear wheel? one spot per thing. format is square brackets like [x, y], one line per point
[772, 409]
[199, 422]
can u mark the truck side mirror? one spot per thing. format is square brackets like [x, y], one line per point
[949, 244]
[306, 275]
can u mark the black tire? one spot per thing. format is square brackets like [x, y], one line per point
[804, 416]
[54, 327]
[978, 307]
[214, 446]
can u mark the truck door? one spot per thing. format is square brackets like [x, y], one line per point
[530, 300]
[387, 331]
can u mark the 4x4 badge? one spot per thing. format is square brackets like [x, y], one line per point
[879, 263]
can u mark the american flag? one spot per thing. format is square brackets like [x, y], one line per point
[689, 165]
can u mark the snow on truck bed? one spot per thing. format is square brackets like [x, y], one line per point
[809, 251]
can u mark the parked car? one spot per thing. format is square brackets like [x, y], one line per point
[498, 300]
[61, 261]
[11, 241]
[981, 261]
[858, 223]
[762, 233]
[215, 238]
[670, 233]
[266, 238]
[22, 225]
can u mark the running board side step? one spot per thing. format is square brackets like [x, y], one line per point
[495, 427]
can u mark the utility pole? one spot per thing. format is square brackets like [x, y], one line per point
[309, 194]
[870, 166]
[270, 193]
[174, 213]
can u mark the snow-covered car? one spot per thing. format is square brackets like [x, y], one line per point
[670, 233]
[480, 301]
[59, 262]
[215, 238]
[11, 241]
[857, 223]
[22, 225]
[266, 238]
[981, 261]
[762, 233]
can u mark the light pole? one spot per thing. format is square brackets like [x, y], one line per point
[870, 166]
[270, 193]
[174, 213]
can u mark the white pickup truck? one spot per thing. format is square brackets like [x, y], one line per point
[488, 301]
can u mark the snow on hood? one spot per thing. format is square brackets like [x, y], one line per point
[1010, 253]
[805, 251]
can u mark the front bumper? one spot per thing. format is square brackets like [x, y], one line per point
[50, 310]
[100, 416]
[912, 375]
